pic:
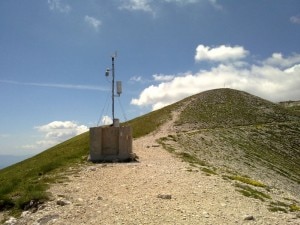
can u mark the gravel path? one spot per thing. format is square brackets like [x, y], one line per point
[159, 189]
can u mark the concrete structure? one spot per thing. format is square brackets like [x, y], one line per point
[111, 143]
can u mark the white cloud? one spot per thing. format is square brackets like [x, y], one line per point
[276, 78]
[93, 22]
[166, 92]
[293, 69]
[57, 5]
[278, 60]
[136, 78]
[151, 6]
[220, 53]
[136, 5]
[56, 132]
[216, 5]
[162, 77]
[139, 79]
[181, 1]
[295, 19]
[106, 120]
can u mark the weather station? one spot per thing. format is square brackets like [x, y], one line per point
[112, 143]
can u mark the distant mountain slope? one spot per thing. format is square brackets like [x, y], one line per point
[292, 105]
[7, 160]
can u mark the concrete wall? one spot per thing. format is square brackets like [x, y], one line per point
[110, 143]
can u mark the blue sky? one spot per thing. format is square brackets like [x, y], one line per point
[54, 53]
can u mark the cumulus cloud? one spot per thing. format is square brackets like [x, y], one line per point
[93, 22]
[106, 120]
[220, 53]
[276, 78]
[57, 5]
[56, 132]
[277, 59]
[293, 69]
[295, 19]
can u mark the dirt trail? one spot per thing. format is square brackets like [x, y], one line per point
[159, 189]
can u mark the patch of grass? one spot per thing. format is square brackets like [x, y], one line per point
[32, 193]
[276, 209]
[167, 147]
[209, 171]
[172, 137]
[163, 139]
[294, 208]
[187, 157]
[252, 193]
[247, 180]
[284, 207]
[191, 159]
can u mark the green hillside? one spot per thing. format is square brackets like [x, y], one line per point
[28, 180]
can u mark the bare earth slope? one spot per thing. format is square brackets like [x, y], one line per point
[159, 189]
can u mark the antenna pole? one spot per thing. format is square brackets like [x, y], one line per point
[113, 86]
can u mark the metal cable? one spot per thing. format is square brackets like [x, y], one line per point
[122, 109]
[105, 107]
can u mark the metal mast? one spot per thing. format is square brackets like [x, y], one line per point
[119, 86]
[113, 86]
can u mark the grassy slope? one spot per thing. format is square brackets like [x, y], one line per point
[145, 124]
[28, 180]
